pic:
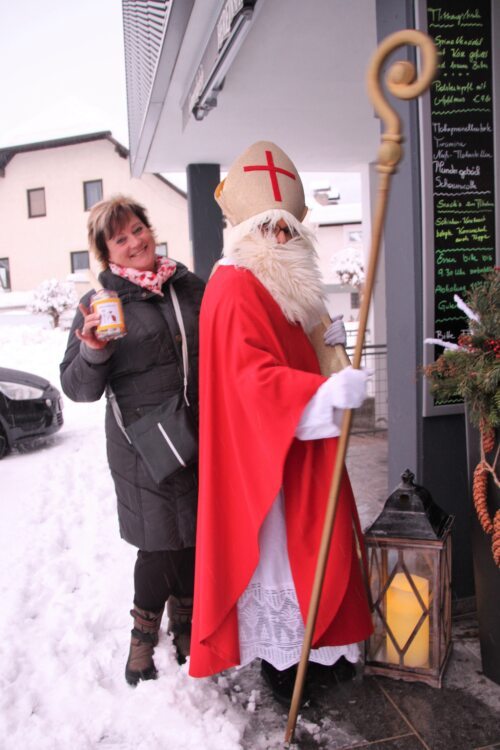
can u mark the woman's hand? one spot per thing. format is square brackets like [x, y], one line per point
[87, 332]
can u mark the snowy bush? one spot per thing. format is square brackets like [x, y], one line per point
[348, 266]
[53, 297]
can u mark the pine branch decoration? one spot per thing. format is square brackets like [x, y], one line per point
[470, 369]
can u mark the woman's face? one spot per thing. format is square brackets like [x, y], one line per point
[133, 246]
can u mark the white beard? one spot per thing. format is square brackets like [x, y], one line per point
[289, 272]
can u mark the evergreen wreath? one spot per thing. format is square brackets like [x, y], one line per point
[471, 370]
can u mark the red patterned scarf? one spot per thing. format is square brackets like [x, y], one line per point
[152, 280]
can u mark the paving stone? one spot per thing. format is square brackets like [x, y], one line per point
[447, 718]
[366, 463]
[408, 742]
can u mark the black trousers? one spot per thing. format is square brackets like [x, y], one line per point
[157, 575]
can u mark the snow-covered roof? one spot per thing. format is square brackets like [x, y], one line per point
[8, 153]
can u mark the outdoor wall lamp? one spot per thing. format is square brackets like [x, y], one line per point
[225, 41]
[325, 196]
[409, 569]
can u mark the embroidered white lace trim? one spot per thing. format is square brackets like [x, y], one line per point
[271, 628]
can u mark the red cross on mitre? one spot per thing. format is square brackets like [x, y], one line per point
[273, 173]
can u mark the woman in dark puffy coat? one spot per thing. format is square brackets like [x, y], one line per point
[142, 369]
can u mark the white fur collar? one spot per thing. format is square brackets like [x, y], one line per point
[289, 272]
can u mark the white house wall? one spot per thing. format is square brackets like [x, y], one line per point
[39, 248]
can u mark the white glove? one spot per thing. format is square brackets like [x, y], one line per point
[347, 388]
[335, 333]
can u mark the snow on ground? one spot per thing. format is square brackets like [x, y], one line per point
[66, 589]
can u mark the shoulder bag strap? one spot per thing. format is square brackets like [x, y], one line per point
[116, 411]
[180, 322]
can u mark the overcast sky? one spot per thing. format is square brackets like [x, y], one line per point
[63, 74]
[62, 69]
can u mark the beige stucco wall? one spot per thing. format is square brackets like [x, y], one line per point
[39, 248]
[332, 239]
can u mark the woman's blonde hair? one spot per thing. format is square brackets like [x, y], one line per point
[108, 217]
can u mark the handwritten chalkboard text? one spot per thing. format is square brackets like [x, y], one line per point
[462, 127]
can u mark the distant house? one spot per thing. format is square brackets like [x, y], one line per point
[46, 192]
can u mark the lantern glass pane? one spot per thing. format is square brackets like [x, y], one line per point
[402, 583]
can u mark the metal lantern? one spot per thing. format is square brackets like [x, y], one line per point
[409, 568]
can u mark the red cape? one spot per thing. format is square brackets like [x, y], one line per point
[257, 373]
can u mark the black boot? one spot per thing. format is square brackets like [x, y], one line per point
[319, 674]
[180, 614]
[140, 664]
[281, 682]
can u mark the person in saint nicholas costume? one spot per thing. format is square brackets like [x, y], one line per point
[269, 423]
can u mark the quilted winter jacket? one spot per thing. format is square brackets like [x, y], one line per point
[143, 369]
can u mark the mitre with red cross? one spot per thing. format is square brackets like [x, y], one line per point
[263, 178]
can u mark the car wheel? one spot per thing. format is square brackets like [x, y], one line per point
[4, 444]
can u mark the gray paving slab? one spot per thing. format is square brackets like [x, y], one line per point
[366, 463]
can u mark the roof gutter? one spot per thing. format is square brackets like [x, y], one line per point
[173, 36]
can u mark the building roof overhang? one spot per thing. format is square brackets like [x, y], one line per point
[298, 79]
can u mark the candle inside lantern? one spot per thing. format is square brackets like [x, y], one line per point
[403, 613]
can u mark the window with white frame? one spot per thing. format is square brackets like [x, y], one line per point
[36, 203]
[79, 260]
[92, 193]
[355, 301]
[5, 275]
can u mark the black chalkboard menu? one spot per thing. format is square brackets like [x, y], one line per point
[461, 111]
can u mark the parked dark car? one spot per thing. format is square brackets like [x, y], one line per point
[29, 407]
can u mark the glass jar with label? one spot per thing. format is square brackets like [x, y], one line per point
[112, 321]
